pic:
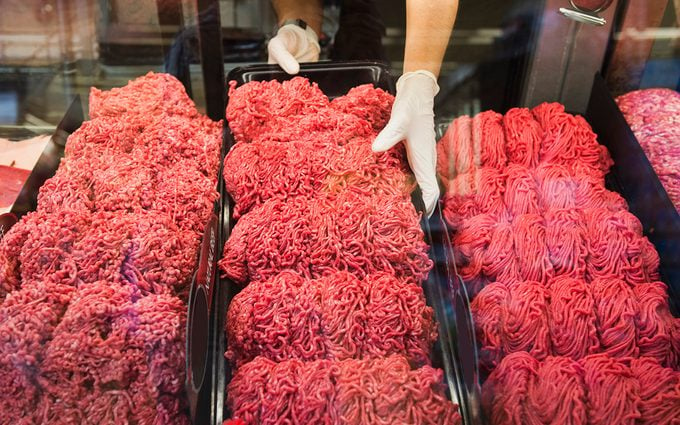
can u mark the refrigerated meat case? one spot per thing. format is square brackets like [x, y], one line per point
[502, 55]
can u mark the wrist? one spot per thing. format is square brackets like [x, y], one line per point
[313, 23]
[424, 79]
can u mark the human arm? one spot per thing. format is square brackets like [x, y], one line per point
[293, 44]
[428, 27]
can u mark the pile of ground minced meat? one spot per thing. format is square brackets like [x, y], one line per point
[93, 284]
[331, 325]
[654, 117]
[573, 324]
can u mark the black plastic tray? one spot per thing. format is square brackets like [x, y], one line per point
[443, 290]
[634, 178]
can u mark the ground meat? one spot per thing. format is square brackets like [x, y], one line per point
[616, 247]
[504, 393]
[368, 103]
[525, 321]
[613, 392]
[258, 107]
[659, 392]
[336, 317]
[342, 392]
[334, 231]
[115, 357]
[655, 323]
[161, 93]
[523, 137]
[270, 169]
[598, 389]
[653, 116]
[573, 319]
[487, 312]
[93, 284]
[557, 395]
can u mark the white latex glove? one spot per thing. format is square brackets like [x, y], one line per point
[293, 45]
[412, 120]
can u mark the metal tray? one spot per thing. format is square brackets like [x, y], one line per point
[443, 290]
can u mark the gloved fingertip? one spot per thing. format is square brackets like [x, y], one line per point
[430, 200]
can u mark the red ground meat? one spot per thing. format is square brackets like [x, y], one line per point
[345, 392]
[455, 150]
[126, 246]
[569, 140]
[557, 395]
[326, 125]
[487, 131]
[654, 323]
[28, 318]
[480, 191]
[93, 330]
[573, 322]
[616, 308]
[659, 392]
[115, 357]
[269, 169]
[653, 116]
[565, 238]
[613, 393]
[617, 248]
[500, 262]
[521, 191]
[160, 93]
[487, 311]
[344, 231]
[10, 248]
[368, 103]
[529, 237]
[336, 317]
[525, 319]
[258, 106]
[522, 136]
[504, 393]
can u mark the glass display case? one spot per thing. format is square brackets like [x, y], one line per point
[191, 235]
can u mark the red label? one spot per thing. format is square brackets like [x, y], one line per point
[206, 265]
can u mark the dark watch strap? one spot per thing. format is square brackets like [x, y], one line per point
[299, 22]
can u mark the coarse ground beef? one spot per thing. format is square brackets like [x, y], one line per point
[260, 106]
[653, 115]
[335, 317]
[94, 283]
[315, 236]
[359, 392]
[368, 103]
[262, 170]
[149, 95]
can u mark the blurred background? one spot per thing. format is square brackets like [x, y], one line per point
[502, 54]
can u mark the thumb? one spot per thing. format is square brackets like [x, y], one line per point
[392, 134]
[278, 53]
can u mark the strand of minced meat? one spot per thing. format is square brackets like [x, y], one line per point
[91, 281]
[339, 392]
[335, 317]
[653, 116]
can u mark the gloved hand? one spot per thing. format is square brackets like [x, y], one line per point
[412, 120]
[292, 45]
